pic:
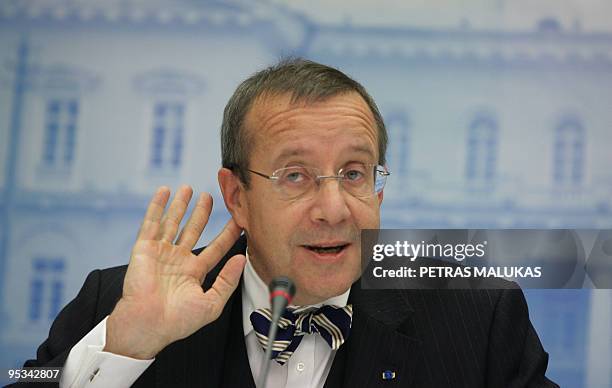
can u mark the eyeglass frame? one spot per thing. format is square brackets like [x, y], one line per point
[385, 172]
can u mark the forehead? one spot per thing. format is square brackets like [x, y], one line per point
[277, 127]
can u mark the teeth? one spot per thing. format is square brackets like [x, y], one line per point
[326, 249]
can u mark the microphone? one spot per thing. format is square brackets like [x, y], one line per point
[282, 291]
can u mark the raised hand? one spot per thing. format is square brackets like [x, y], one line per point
[162, 299]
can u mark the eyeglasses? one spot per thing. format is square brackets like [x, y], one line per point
[299, 182]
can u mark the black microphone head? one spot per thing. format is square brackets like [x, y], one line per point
[284, 285]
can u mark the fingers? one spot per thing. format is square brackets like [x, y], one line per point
[150, 224]
[226, 282]
[197, 221]
[219, 246]
[172, 219]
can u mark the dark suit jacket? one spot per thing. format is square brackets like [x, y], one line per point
[429, 338]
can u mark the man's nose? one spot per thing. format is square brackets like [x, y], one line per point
[330, 202]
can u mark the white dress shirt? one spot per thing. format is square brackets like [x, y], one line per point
[88, 366]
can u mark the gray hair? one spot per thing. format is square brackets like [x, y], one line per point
[306, 81]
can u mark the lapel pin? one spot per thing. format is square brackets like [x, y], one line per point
[388, 375]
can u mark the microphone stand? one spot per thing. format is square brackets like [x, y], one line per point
[265, 367]
[282, 291]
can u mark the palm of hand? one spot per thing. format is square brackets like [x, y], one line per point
[163, 299]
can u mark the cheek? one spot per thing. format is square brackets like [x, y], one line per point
[366, 212]
[272, 222]
[260, 209]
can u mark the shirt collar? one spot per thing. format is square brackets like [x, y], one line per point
[255, 296]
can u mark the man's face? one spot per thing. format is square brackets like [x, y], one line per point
[282, 233]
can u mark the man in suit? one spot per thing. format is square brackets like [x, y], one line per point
[303, 149]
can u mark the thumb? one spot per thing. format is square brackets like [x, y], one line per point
[226, 283]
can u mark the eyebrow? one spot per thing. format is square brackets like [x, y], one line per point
[300, 151]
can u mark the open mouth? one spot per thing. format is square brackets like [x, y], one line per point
[330, 250]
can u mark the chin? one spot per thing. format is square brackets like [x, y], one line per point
[320, 289]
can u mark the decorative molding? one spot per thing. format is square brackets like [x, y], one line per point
[465, 46]
[169, 82]
[60, 79]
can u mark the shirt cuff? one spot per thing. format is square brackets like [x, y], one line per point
[88, 366]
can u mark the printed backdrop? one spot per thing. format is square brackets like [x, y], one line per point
[498, 112]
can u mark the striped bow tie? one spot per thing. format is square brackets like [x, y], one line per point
[332, 323]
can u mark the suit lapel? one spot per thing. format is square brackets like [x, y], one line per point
[233, 361]
[196, 361]
[236, 369]
[380, 340]
[335, 378]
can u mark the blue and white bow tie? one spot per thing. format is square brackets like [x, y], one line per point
[331, 322]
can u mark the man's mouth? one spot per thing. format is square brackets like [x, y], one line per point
[326, 248]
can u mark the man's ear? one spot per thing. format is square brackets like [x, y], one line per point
[232, 191]
[380, 197]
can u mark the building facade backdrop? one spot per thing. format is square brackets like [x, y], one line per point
[102, 102]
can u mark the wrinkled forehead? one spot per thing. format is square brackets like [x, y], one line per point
[276, 120]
